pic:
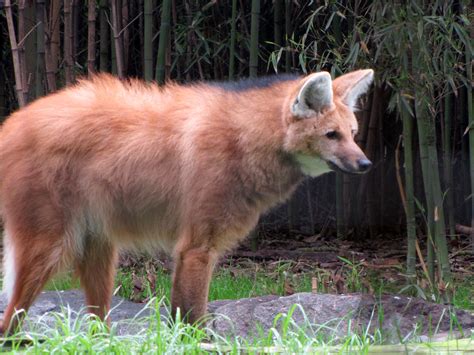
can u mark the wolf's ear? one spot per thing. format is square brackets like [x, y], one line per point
[315, 95]
[351, 86]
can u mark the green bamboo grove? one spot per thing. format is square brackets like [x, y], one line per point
[416, 124]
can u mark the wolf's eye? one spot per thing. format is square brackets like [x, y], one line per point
[332, 135]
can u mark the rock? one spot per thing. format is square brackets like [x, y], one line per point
[316, 314]
[123, 312]
[331, 315]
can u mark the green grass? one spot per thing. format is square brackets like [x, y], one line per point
[464, 293]
[225, 284]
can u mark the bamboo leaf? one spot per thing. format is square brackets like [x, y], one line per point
[407, 106]
[463, 36]
[468, 128]
[328, 24]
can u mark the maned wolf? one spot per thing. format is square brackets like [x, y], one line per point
[107, 165]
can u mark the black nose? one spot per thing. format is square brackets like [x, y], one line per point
[364, 164]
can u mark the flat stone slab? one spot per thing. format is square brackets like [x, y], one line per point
[397, 317]
[125, 315]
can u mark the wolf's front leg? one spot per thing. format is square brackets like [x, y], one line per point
[191, 278]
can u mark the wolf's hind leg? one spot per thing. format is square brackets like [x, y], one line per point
[30, 260]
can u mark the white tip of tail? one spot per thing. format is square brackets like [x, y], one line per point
[9, 272]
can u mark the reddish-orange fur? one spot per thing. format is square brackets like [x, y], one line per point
[106, 165]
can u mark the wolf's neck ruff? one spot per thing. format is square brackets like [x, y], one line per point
[312, 165]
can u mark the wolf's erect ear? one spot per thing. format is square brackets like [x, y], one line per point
[351, 86]
[315, 95]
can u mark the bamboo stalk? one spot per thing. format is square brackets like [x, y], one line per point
[341, 203]
[447, 165]
[288, 22]
[440, 224]
[113, 53]
[470, 115]
[428, 155]
[190, 38]
[253, 64]
[381, 169]
[91, 37]
[410, 194]
[68, 42]
[170, 44]
[147, 40]
[468, 51]
[233, 36]
[367, 191]
[15, 54]
[349, 203]
[54, 20]
[427, 135]
[464, 179]
[163, 43]
[52, 45]
[116, 21]
[76, 14]
[423, 127]
[340, 225]
[141, 32]
[310, 209]
[21, 47]
[125, 31]
[173, 41]
[278, 22]
[40, 45]
[104, 46]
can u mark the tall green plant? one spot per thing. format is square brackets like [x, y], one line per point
[447, 164]
[91, 36]
[117, 34]
[340, 220]
[425, 134]
[468, 51]
[407, 120]
[288, 22]
[254, 38]
[40, 48]
[233, 36]
[163, 43]
[68, 42]
[16, 55]
[424, 98]
[423, 33]
[104, 35]
[147, 40]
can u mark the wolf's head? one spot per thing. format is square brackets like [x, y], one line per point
[321, 124]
